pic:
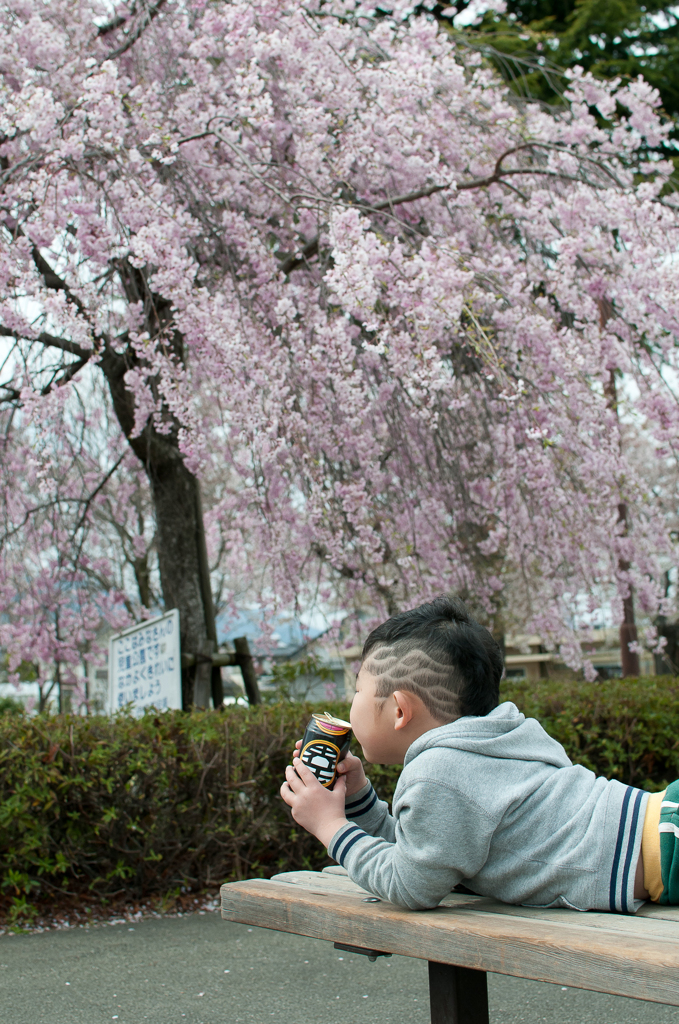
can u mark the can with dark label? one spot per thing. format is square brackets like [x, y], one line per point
[326, 741]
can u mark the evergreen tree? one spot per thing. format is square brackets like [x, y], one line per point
[534, 39]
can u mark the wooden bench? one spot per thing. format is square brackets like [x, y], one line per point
[466, 936]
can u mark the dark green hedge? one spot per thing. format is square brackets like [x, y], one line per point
[626, 729]
[139, 807]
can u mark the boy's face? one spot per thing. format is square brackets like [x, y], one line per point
[372, 724]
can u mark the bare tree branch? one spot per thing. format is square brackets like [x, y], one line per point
[192, 138]
[26, 162]
[63, 374]
[54, 281]
[51, 341]
[150, 14]
[49, 275]
[39, 508]
[13, 395]
[68, 374]
[111, 26]
[95, 492]
[115, 23]
[298, 258]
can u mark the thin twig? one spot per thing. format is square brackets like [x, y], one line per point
[68, 374]
[88, 501]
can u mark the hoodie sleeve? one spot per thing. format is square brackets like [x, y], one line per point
[440, 837]
[370, 813]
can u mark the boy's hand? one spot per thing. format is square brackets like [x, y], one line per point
[351, 767]
[317, 809]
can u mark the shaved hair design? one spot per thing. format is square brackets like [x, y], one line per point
[439, 653]
[402, 668]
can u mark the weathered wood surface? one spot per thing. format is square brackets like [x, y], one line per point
[628, 956]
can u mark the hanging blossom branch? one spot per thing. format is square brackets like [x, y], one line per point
[499, 174]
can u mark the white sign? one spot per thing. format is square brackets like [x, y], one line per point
[144, 666]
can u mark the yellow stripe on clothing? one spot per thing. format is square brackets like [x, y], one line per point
[650, 847]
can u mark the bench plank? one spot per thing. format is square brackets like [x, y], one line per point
[318, 881]
[625, 956]
[646, 922]
[651, 920]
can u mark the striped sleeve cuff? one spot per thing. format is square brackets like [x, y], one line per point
[343, 840]
[628, 845]
[361, 802]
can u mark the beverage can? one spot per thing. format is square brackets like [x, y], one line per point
[326, 741]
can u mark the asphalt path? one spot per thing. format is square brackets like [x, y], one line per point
[199, 969]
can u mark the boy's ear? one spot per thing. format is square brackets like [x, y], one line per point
[406, 706]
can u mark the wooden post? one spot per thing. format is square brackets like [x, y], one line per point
[244, 660]
[457, 995]
[202, 679]
[207, 663]
[216, 690]
[60, 690]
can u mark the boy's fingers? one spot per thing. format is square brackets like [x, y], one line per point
[305, 774]
[292, 779]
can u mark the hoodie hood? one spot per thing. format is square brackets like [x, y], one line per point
[505, 732]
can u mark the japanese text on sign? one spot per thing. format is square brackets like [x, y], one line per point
[145, 666]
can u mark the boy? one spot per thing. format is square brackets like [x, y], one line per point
[485, 797]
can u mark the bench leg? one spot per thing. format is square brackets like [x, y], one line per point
[457, 995]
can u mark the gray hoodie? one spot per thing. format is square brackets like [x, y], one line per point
[495, 803]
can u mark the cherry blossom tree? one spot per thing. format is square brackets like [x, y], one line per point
[326, 265]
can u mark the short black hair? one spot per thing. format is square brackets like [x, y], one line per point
[441, 653]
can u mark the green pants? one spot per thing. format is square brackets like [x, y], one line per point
[669, 845]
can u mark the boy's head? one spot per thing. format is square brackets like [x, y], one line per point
[440, 654]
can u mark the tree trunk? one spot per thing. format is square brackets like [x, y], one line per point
[179, 528]
[180, 536]
[142, 576]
